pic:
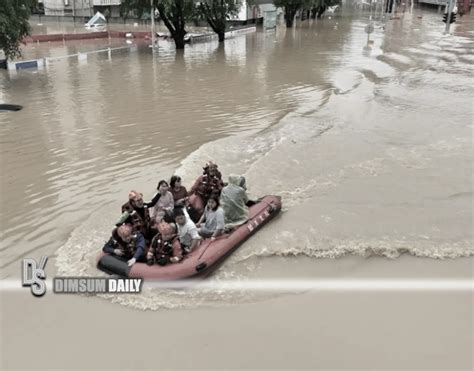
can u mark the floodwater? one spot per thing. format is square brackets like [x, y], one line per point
[370, 147]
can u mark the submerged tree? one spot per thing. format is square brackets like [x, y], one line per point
[320, 6]
[217, 12]
[290, 7]
[174, 13]
[14, 26]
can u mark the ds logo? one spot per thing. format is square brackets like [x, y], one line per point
[34, 276]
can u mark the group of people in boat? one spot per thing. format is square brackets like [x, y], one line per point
[175, 221]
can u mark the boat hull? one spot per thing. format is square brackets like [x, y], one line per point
[203, 259]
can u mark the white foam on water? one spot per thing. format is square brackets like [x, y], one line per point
[325, 248]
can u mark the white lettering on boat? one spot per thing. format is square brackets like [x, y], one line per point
[254, 223]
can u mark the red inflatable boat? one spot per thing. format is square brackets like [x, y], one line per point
[204, 258]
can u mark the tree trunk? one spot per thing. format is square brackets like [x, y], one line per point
[313, 13]
[176, 29]
[321, 10]
[179, 41]
[218, 26]
[289, 16]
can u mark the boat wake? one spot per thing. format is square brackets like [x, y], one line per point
[358, 185]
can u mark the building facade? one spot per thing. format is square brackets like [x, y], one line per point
[81, 8]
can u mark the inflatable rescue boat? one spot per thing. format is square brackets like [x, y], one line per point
[206, 257]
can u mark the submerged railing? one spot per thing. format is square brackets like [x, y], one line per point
[81, 56]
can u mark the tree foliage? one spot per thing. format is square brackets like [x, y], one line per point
[217, 12]
[14, 25]
[174, 13]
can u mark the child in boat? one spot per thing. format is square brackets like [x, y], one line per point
[164, 204]
[211, 223]
[180, 194]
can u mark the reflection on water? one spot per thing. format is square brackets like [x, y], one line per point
[91, 131]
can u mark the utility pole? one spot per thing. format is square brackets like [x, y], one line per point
[389, 6]
[369, 29]
[382, 12]
[449, 9]
[152, 14]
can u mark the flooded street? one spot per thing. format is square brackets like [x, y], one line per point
[370, 147]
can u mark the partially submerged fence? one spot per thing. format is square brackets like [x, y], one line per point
[231, 33]
[46, 61]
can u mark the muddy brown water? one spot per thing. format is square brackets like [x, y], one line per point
[369, 146]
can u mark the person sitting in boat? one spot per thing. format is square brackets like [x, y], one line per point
[209, 183]
[180, 194]
[187, 232]
[234, 200]
[164, 204]
[211, 223]
[165, 247]
[126, 244]
[135, 212]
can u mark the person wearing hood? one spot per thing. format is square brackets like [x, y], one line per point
[234, 200]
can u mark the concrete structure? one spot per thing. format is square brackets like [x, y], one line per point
[81, 8]
[254, 12]
[464, 6]
[433, 2]
[229, 34]
[247, 13]
[111, 8]
[39, 64]
[23, 65]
